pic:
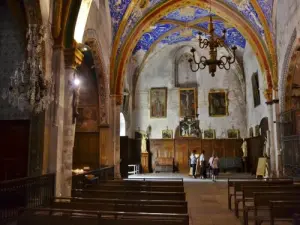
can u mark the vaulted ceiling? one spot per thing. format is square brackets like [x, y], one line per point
[181, 21]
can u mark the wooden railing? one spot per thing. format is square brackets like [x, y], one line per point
[80, 180]
[29, 192]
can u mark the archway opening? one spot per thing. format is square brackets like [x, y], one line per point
[122, 125]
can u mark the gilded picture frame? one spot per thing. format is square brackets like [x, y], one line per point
[187, 102]
[209, 134]
[158, 102]
[167, 134]
[233, 133]
[218, 103]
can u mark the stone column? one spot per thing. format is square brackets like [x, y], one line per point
[115, 101]
[73, 58]
[57, 118]
[268, 96]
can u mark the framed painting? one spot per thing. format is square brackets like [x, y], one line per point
[209, 134]
[218, 103]
[158, 102]
[233, 133]
[167, 134]
[187, 102]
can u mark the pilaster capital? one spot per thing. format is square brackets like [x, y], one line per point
[268, 93]
[73, 57]
[118, 98]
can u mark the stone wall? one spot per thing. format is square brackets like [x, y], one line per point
[12, 50]
[254, 114]
[159, 72]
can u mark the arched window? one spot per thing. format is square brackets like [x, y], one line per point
[122, 125]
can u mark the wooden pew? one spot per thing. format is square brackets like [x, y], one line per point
[140, 187]
[50, 216]
[262, 202]
[104, 206]
[296, 219]
[149, 182]
[283, 210]
[248, 193]
[151, 195]
[237, 186]
[123, 201]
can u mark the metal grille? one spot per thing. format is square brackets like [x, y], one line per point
[290, 142]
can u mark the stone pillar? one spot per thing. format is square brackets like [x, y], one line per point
[268, 95]
[57, 118]
[73, 58]
[115, 101]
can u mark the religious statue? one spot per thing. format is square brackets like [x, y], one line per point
[244, 149]
[144, 142]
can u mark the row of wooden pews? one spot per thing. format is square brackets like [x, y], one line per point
[264, 200]
[116, 202]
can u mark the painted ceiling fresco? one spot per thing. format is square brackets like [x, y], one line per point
[187, 14]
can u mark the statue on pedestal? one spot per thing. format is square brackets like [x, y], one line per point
[144, 143]
[245, 153]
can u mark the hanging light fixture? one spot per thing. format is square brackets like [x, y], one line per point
[213, 43]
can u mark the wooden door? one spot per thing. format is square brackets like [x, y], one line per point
[86, 150]
[182, 155]
[14, 139]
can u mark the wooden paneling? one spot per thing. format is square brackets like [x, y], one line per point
[14, 139]
[124, 152]
[86, 150]
[182, 154]
[181, 148]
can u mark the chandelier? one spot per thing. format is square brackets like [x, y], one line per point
[213, 43]
[29, 88]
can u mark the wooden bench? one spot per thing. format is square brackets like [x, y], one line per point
[151, 195]
[296, 219]
[103, 206]
[164, 164]
[49, 216]
[149, 182]
[262, 200]
[237, 186]
[248, 193]
[135, 188]
[283, 210]
[124, 201]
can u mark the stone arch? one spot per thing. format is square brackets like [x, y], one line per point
[90, 38]
[289, 66]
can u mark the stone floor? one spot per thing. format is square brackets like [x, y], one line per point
[207, 200]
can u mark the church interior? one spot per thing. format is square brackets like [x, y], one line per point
[150, 111]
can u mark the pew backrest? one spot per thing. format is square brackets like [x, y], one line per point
[262, 199]
[129, 194]
[122, 201]
[239, 184]
[283, 210]
[135, 188]
[120, 207]
[247, 191]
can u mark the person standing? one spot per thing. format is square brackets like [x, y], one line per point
[193, 162]
[202, 166]
[214, 164]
